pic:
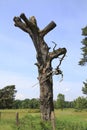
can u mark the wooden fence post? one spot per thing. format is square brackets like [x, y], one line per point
[17, 118]
[0, 116]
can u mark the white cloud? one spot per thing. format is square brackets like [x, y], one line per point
[23, 84]
[70, 89]
[20, 96]
[67, 89]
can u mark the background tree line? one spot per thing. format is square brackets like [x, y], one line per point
[79, 104]
[8, 101]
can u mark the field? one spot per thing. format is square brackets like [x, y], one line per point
[68, 119]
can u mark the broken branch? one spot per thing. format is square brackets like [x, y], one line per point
[28, 23]
[48, 28]
[21, 25]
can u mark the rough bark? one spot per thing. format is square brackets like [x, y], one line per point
[44, 59]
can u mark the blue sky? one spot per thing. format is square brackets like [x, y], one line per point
[17, 53]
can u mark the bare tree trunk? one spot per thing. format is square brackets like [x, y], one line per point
[44, 59]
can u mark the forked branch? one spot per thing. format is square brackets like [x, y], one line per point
[58, 52]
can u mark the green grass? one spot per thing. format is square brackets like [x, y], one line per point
[8, 117]
[71, 115]
[68, 119]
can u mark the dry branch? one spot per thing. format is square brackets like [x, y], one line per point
[48, 28]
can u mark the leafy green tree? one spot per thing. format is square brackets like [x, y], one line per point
[83, 60]
[7, 96]
[68, 104]
[60, 101]
[17, 104]
[26, 103]
[80, 103]
[84, 89]
[55, 104]
[34, 103]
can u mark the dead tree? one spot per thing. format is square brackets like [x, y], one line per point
[44, 60]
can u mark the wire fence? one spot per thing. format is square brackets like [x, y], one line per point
[16, 115]
[10, 116]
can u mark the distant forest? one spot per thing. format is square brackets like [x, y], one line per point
[8, 101]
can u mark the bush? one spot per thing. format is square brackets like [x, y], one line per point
[32, 123]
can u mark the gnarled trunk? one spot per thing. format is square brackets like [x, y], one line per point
[44, 59]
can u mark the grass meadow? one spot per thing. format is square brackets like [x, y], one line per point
[29, 119]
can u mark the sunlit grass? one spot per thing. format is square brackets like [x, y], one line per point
[11, 113]
[71, 115]
[68, 119]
